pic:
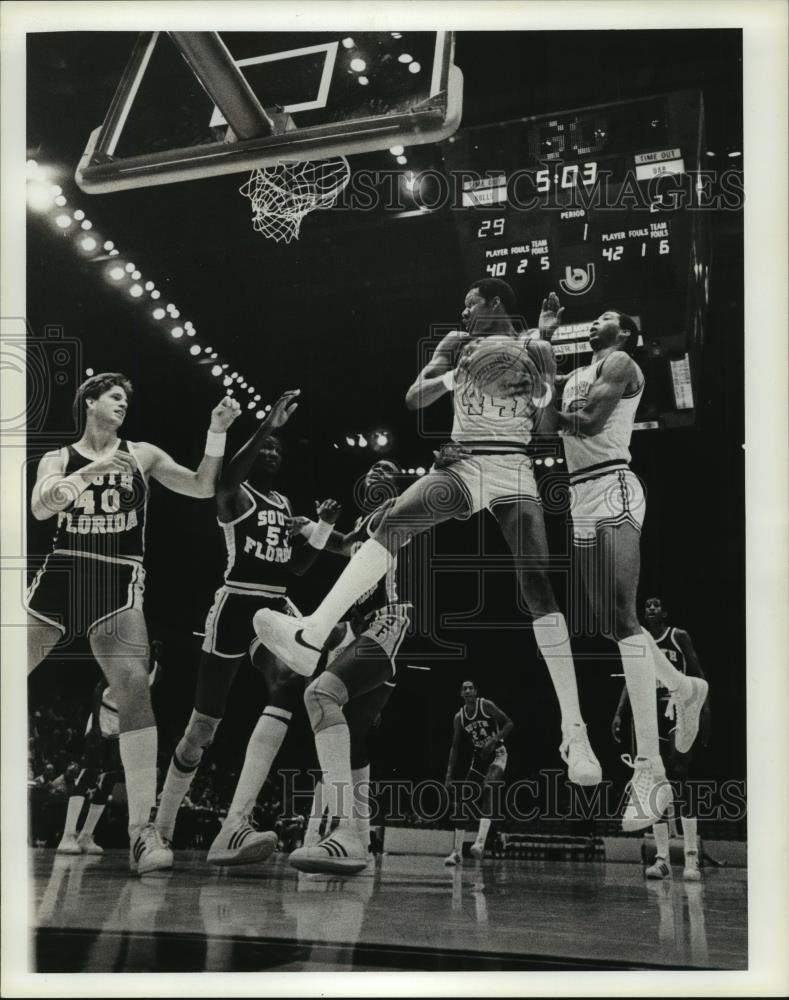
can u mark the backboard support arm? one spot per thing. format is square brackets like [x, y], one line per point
[209, 59]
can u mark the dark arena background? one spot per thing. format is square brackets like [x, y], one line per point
[344, 314]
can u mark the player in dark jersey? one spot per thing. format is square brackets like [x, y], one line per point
[676, 645]
[254, 519]
[344, 700]
[92, 581]
[100, 768]
[486, 726]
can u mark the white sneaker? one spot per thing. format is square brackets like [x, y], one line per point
[691, 872]
[149, 852]
[650, 794]
[68, 845]
[238, 843]
[583, 767]
[686, 713]
[477, 851]
[453, 859]
[659, 870]
[283, 635]
[341, 853]
[88, 844]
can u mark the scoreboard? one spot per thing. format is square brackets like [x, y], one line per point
[600, 205]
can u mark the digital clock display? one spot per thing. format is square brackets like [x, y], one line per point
[573, 203]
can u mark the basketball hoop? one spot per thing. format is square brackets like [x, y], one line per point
[282, 195]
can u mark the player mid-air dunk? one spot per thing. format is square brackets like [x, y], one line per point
[598, 409]
[92, 581]
[486, 465]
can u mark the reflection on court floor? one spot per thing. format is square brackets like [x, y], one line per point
[406, 912]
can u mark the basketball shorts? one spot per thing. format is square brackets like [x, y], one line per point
[614, 498]
[228, 627]
[490, 480]
[386, 626]
[480, 766]
[76, 593]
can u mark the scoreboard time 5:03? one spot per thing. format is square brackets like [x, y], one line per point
[601, 206]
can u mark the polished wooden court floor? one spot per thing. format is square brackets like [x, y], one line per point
[406, 912]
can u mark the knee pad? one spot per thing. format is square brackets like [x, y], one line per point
[198, 736]
[323, 700]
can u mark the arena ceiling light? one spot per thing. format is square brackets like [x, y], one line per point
[44, 196]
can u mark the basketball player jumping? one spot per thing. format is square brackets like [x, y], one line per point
[487, 727]
[254, 520]
[92, 581]
[676, 645]
[485, 465]
[345, 699]
[598, 408]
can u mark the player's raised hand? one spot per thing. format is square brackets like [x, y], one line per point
[328, 511]
[550, 316]
[223, 414]
[449, 454]
[283, 409]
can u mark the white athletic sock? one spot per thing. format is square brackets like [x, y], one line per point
[642, 692]
[460, 836]
[482, 833]
[263, 747]
[94, 815]
[362, 572]
[665, 671]
[361, 803]
[333, 746]
[552, 637]
[660, 831]
[73, 810]
[689, 834]
[138, 754]
[312, 833]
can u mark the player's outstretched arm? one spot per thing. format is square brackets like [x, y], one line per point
[240, 465]
[435, 379]
[503, 722]
[616, 724]
[617, 373]
[54, 491]
[201, 482]
[316, 534]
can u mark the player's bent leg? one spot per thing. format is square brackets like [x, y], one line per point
[618, 550]
[215, 676]
[238, 842]
[121, 648]
[41, 640]
[340, 852]
[361, 715]
[429, 501]
[493, 777]
[523, 526]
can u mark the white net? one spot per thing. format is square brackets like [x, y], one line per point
[282, 195]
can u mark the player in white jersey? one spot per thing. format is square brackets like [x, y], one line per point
[485, 465]
[92, 581]
[486, 727]
[678, 647]
[598, 409]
